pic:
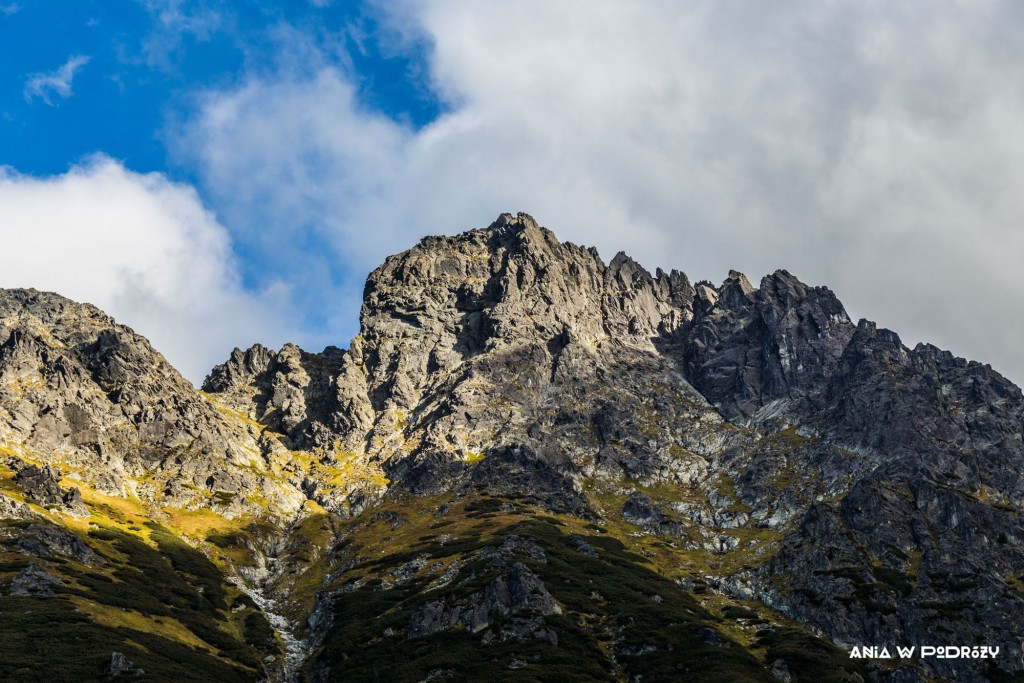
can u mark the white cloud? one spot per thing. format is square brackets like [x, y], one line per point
[196, 19]
[872, 147]
[308, 152]
[9, 8]
[176, 19]
[55, 83]
[144, 250]
[309, 181]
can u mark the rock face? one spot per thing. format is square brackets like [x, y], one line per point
[289, 391]
[514, 596]
[42, 485]
[96, 398]
[122, 666]
[751, 443]
[931, 539]
[33, 581]
[496, 347]
[781, 341]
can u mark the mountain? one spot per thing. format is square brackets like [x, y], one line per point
[528, 465]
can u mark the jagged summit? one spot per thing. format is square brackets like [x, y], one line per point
[507, 342]
[516, 422]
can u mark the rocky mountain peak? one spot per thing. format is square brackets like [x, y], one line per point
[522, 233]
[741, 280]
[514, 280]
[570, 456]
[736, 290]
[84, 392]
[442, 322]
[241, 369]
[440, 307]
[53, 309]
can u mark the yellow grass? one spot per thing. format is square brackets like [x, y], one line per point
[116, 617]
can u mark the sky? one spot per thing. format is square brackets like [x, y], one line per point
[216, 174]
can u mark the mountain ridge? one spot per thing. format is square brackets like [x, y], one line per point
[750, 450]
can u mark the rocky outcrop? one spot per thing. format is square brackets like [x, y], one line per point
[120, 665]
[34, 581]
[517, 596]
[750, 347]
[42, 484]
[290, 391]
[11, 509]
[93, 401]
[48, 541]
[932, 538]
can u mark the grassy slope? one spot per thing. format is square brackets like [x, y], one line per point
[162, 598]
[156, 599]
[620, 602]
[164, 602]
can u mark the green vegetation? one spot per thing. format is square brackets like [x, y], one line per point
[156, 599]
[1016, 584]
[50, 639]
[621, 617]
[953, 583]
[738, 612]
[258, 632]
[187, 561]
[873, 582]
[809, 658]
[163, 605]
[948, 609]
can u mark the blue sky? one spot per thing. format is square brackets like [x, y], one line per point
[216, 174]
[121, 79]
[133, 71]
[142, 63]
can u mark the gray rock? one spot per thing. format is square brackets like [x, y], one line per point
[92, 399]
[120, 665]
[780, 671]
[710, 637]
[582, 546]
[45, 540]
[74, 503]
[42, 484]
[12, 509]
[34, 581]
[516, 593]
[513, 546]
[639, 509]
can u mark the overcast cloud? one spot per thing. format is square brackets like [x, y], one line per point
[142, 249]
[871, 147]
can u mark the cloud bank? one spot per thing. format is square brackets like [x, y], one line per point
[872, 147]
[144, 250]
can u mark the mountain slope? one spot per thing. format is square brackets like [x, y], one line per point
[529, 464]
